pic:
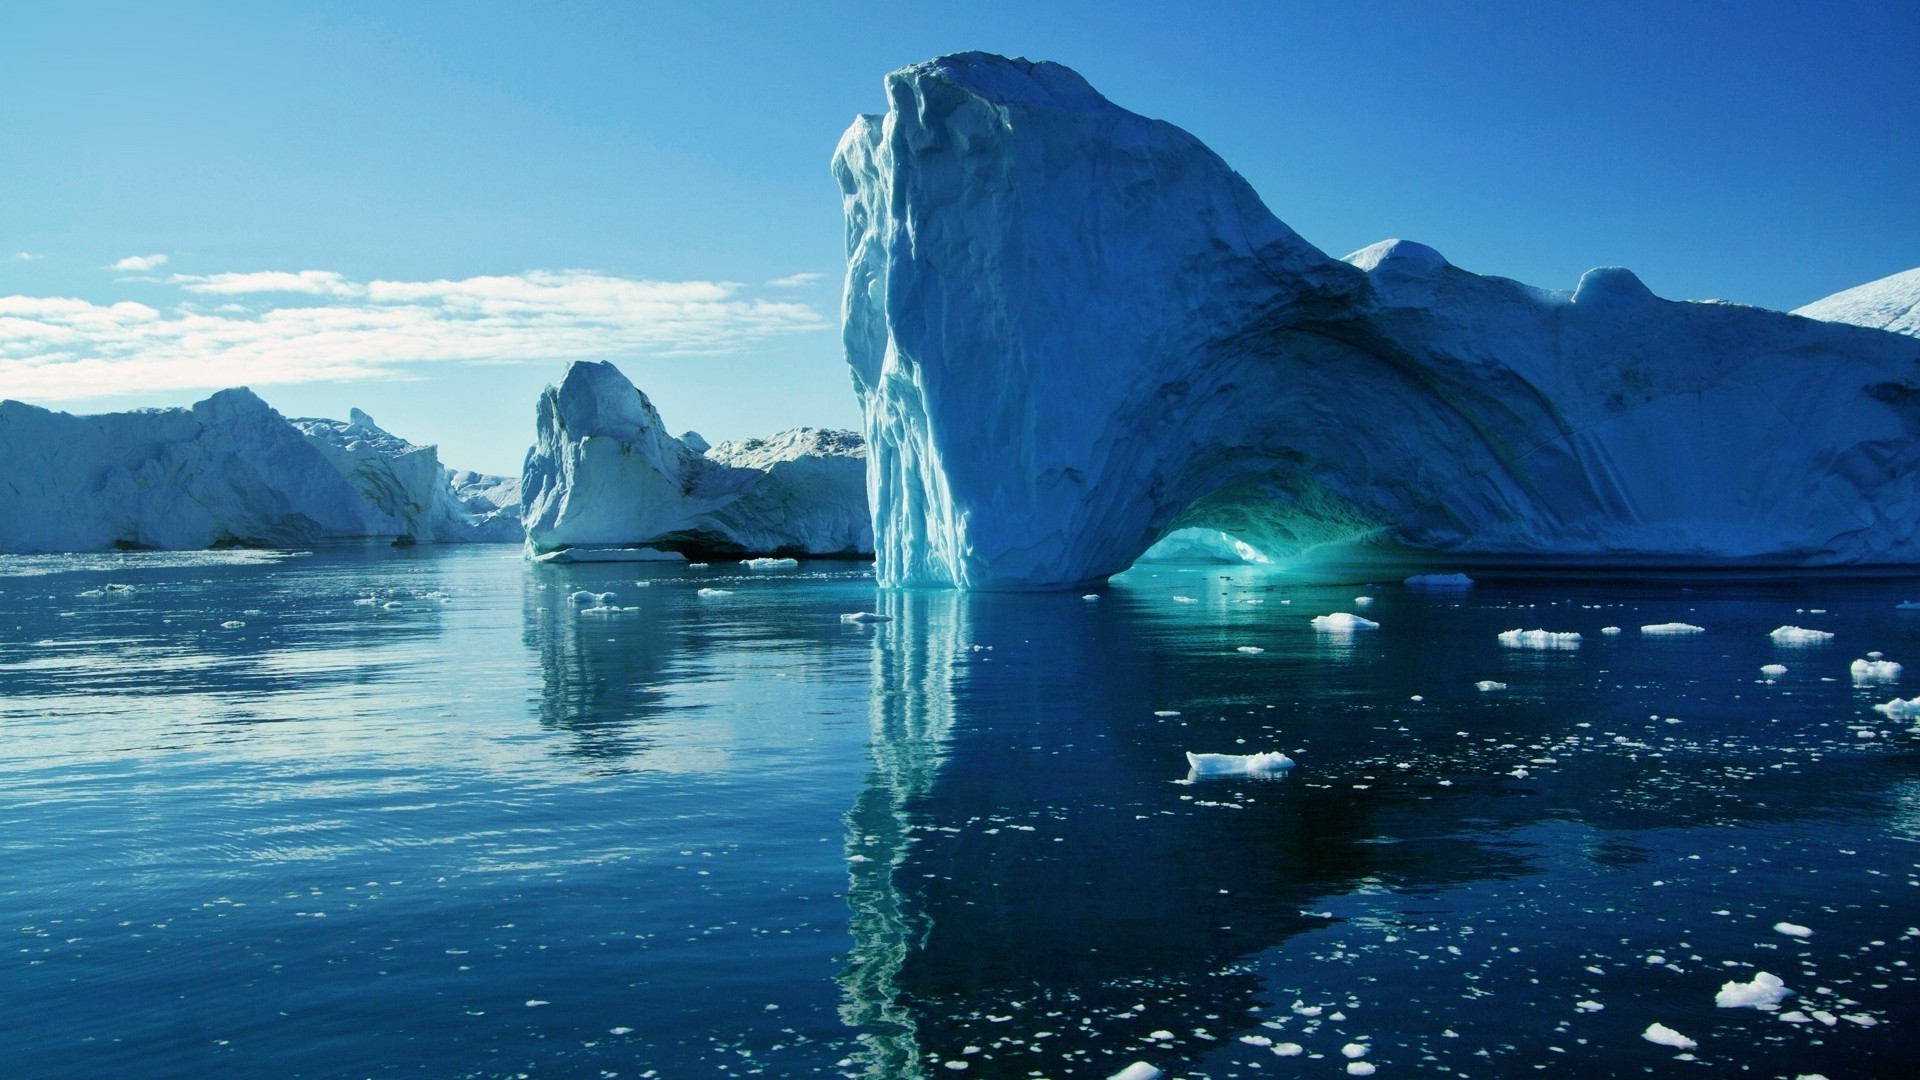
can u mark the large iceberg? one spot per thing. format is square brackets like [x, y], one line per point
[1074, 330]
[604, 473]
[228, 471]
[408, 483]
[1891, 303]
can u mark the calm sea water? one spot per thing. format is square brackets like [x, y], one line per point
[374, 813]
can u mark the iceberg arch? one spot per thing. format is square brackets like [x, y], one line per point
[1074, 330]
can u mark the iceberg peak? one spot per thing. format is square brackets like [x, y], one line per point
[1612, 286]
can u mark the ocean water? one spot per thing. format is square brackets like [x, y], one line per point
[390, 813]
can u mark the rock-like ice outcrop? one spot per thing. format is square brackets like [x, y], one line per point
[604, 473]
[1074, 330]
[407, 482]
[1891, 303]
[1200, 546]
[228, 471]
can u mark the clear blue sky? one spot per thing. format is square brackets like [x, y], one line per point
[629, 181]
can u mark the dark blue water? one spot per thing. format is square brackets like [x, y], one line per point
[464, 830]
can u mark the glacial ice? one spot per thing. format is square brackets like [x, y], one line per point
[1539, 639]
[1900, 709]
[604, 473]
[1764, 991]
[1671, 629]
[1891, 303]
[407, 482]
[1799, 635]
[1200, 546]
[1074, 330]
[1343, 622]
[1876, 670]
[1663, 1035]
[1208, 765]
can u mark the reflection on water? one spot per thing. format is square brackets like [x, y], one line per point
[462, 828]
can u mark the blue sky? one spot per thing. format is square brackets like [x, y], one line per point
[478, 192]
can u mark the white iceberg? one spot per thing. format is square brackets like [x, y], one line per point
[1210, 765]
[865, 617]
[1798, 635]
[1488, 686]
[769, 564]
[1342, 622]
[407, 482]
[603, 473]
[1663, 1035]
[1671, 629]
[1891, 303]
[1764, 991]
[1073, 329]
[1539, 639]
[1898, 709]
[1876, 670]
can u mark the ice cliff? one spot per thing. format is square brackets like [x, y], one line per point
[1074, 330]
[604, 473]
[408, 483]
[1891, 303]
[228, 471]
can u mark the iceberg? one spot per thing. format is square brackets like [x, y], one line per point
[1539, 639]
[1765, 992]
[1891, 303]
[1074, 330]
[1342, 622]
[227, 472]
[408, 483]
[1799, 635]
[1201, 546]
[1205, 765]
[604, 474]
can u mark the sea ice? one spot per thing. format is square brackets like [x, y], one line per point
[1666, 1036]
[1139, 1070]
[1539, 639]
[865, 617]
[1793, 929]
[1360, 1068]
[1765, 991]
[1486, 685]
[1341, 622]
[1671, 629]
[1773, 671]
[1288, 1049]
[1799, 635]
[713, 592]
[1900, 709]
[1870, 671]
[1610, 631]
[1206, 765]
[769, 564]
[1251, 650]
[1354, 1051]
[1438, 581]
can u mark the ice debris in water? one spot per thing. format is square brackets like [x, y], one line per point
[769, 564]
[1363, 599]
[1439, 581]
[1139, 1070]
[1671, 629]
[1666, 1036]
[714, 592]
[1539, 639]
[1793, 929]
[1485, 685]
[1875, 670]
[1354, 1051]
[1343, 621]
[1091, 596]
[862, 616]
[1250, 650]
[1799, 635]
[593, 599]
[1898, 709]
[1360, 1068]
[1199, 765]
[1765, 992]
[1610, 631]
[1773, 671]
[1288, 1049]
[232, 624]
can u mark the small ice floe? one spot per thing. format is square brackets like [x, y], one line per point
[769, 564]
[1671, 629]
[1343, 622]
[233, 624]
[391, 605]
[1773, 671]
[696, 566]
[1288, 1049]
[1363, 600]
[1792, 929]
[1360, 1068]
[1139, 1070]
[1354, 1051]
[1438, 581]
[1205, 765]
[860, 616]
[1487, 686]
[1907, 605]
[1589, 1006]
[1875, 670]
[1250, 650]
[606, 609]
[1539, 639]
[1898, 709]
[1765, 992]
[1091, 596]
[1185, 600]
[1610, 631]
[1663, 1035]
[1799, 635]
[714, 592]
[593, 599]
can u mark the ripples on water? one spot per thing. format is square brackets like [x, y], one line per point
[408, 812]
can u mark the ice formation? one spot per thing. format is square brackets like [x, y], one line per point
[1671, 629]
[604, 473]
[1074, 330]
[1870, 671]
[408, 483]
[1487, 686]
[1663, 1035]
[1798, 635]
[1343, 622]
[1201, 546]
[1203, 765]
[1897, 709]
[1765, 991]
[1891, 303]
[1539, 639]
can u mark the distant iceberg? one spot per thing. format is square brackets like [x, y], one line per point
[407, 482]
[1206, 765]
[1074, 330]
[604, 473]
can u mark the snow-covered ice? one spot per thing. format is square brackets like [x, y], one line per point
[1799, 635]
[1891, 303]
[1206, 765]
[1139, 1070]
[1875, 670]
[1488, 685]
[1773, 671]
[1792, 929]
[1763, 991]
[1341, 622]
[1539, 639]
[1671, 629]
[769, 564]
[1900, 709]
[1663, 1035]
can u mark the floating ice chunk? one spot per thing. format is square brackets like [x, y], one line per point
[1185, 600]
[714, 592]
[696, 566]
[859, 616]
[607, 609]
[1870, 671]
[1765, 992]
[1360, 1068]
[1666, 1036]
[769, 564]
[232, 624]
[1588, 1006]
[1610, 631]
[1539, 639]
[1354, 1051]
[1363, 599]
[1773, 671]
[1897, 709]
[1488, 685]
[1199, 765]
[1250, 650]
[1439, 581]
[1341, 622]
[1795, 929]
[1288, 1049]
[1799, 635]
[390, 605]
[1907, 605]
[1671, 629]
[618, 554]
[1091, 596]
[1139, 1070]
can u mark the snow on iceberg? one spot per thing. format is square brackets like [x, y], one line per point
[1200, 766]
[1798, 635]
[1891, 303]
[604, 473]
[1342, 622]
[1900, 709]
[408, 483]
[1184, 359]
[1663, 1035]
[1539, 639]
[1765, 991]
[1872, 671]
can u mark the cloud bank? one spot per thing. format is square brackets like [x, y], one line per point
[279, 327]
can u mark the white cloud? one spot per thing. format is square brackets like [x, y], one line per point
[139, 262]
[314, 325]
[27, 256]
[794, 281]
